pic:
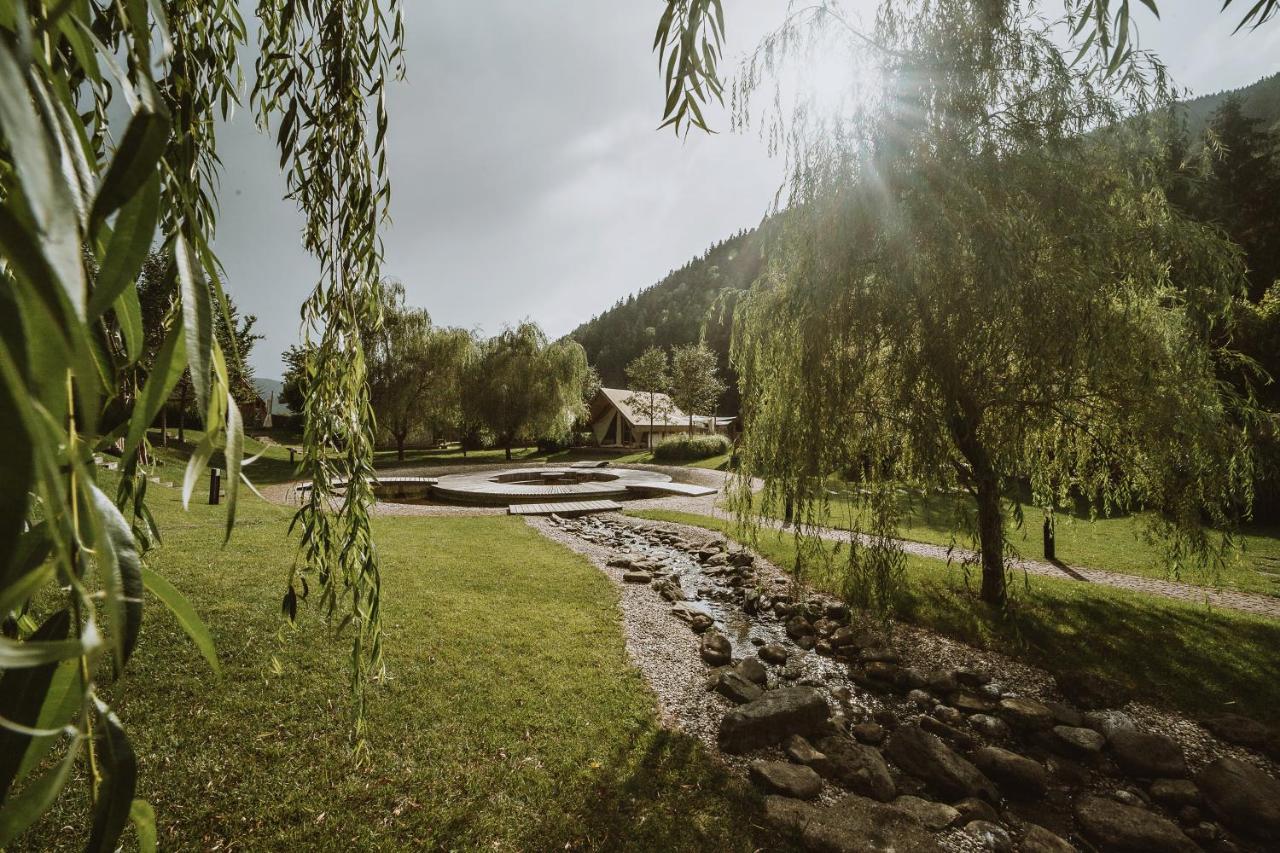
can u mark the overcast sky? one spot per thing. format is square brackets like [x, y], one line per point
[529, 181]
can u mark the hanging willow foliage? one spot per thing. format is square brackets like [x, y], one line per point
[86, 192]
[82, 201]
[323, 69]
[980, 288]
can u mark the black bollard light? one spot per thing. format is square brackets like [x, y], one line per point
[215, 485]
[1048, 540]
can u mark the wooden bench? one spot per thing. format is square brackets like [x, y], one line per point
[564, 508]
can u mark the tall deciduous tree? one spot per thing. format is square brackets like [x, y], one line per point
[648, 375]
[981, 287]
[695, 380]
[414, 369]
[523, 388]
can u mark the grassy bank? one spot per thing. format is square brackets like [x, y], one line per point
[1180, 654]
[1116, 544]
[510, 718]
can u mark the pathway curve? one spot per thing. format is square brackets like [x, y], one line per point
[1245, 602]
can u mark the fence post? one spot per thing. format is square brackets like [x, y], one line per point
[215, 485]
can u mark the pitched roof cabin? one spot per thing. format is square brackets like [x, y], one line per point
[616, 423]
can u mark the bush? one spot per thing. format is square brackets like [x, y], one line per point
[686, 447]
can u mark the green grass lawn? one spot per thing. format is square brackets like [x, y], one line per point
[1115, 544]
[1182, 654]
[510, 717]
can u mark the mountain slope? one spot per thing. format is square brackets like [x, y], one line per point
[1259, 100]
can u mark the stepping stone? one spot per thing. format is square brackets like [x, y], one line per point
[789, 780]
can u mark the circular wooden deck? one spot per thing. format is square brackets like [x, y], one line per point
[540, 485]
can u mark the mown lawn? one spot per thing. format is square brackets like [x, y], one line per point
[1116, 544]
[509, 718]
[1181, 654]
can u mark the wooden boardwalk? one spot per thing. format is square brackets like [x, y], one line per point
[564, 508]
[686, 489]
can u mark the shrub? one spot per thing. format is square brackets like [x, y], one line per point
[685, 447]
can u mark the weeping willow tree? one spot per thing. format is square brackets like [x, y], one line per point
[982, 286]
[86, 191]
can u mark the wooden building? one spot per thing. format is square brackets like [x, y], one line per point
[615, 422]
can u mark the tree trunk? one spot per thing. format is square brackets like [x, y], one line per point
[182, 416]
[400, 448]
[164, 426]
[652, 417]
[508, 449]
[991, 539]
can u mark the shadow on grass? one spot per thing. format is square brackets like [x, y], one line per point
[660, 790]
[1189, 657]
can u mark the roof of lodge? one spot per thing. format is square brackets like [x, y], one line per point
[618, 397]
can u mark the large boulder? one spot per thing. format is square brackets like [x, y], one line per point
[859, 768]
[1243, 797]
[772, 718]
[731, 685]
[1243, 731]
[853, 825]
[1129, 829]
[1018, 776]
[790, 780]
[1147, 755]
[926, 757]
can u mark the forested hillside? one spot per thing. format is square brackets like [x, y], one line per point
[1260, 100]
[674, 311]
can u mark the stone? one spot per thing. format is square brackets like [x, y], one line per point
[1065, 715]
[948, 715]
[1023, 713]
[1076, 741]
[878, 654]
[636, 577]
[910, 678]
[934, 816]
[799, 750]
[701, 622]
[852, 825]
[733, 686]
[751, 601]
[798, 626]
[837, 611]
[774, 653]
[859, 768]
[933, 725]
[1175, 793]
[772, 718]
[972, 676]
[1243, 797]
[1128, 798]
[1147, 755]
[1113, 826]
[926, 757]
[921, 698]
[715, 648]
[823, 648]
[1242, 731]
[989, 727]
[1189, 816]
[1037, 839]
[807, 642]
[752, 670]
[671, 591]
[881, 671]
[1019, 777]
[869, 733]
[844, 636]
[990, 836]
[970, 703]
[1109, 722]
[789, 780]
[972, 808]
[941, 682]
[1092, 691]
